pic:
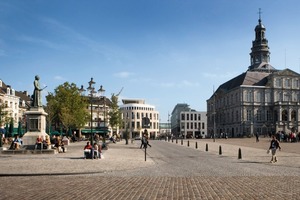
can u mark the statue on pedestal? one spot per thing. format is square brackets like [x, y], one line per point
[37, 97]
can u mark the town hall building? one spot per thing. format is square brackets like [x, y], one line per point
[262, 100]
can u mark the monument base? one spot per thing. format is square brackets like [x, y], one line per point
[29, 138]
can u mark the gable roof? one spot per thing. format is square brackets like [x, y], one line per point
[254, 78]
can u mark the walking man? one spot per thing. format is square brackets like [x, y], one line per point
[273, 147]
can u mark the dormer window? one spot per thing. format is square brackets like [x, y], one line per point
[8, 91]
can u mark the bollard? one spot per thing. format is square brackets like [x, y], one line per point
[206, 148]
[172, 140]
[165, 138]
[188, 143]
[176, 140]
[181, 141]
[220, 150]
[240, 154]
[196, 145]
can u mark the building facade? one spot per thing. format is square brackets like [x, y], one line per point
[133, 111]
[188, 123]
[16, 104]
[164, 129]
[99, 107]
[261, 100]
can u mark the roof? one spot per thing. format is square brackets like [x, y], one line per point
[254, 78]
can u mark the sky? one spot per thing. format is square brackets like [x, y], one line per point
[163, 51]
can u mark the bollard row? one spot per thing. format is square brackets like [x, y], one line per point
[206, 148]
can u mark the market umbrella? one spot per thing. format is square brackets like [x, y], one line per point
[11, 128]
[20, 129]
[6, 129]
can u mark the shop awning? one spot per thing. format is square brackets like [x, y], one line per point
[86, 131]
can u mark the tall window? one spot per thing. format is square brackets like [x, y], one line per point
[293, 116]
[268, 97]
[269, 115]
[286, 97]
[248, 96]
[296, 83]
[182, 116]
[278, 82]
[248, 115]
[258, 96]
[191, 117]
[258, 116]
[284, 115]
[287, 83]
[279, 97]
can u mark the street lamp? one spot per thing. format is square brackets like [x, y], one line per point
[101, 92]
[91, 90]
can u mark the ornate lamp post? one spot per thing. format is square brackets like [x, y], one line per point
[101, 92]
[92, 95]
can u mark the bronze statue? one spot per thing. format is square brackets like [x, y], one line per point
[36, 97]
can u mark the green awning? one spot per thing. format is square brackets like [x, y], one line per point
[94, 131]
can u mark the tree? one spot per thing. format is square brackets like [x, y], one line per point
[67, 107]
[115, 119]
[4, 115]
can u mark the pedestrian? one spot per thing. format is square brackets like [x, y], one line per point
[274, 145]
[147, 141]
[257, 137]
[143, 140]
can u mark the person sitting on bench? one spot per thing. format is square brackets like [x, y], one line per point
[38, 142]
[15, 145]
[87, 149]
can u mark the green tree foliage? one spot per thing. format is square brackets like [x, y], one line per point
[4, 115]
[115, 119]
[67, 107]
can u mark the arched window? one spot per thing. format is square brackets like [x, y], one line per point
[284, 115]
[293, 116]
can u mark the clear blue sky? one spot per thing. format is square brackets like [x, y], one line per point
[163, 51]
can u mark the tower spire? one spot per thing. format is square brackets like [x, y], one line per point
[259, 15]
[260, 54]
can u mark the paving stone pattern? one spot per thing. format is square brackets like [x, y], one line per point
[69, 176]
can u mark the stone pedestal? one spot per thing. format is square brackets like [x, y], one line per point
[36, 125]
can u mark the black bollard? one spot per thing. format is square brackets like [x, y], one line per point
[220, 150]
[206, 148]
[181, 141]
[196, 145]
[176, 140]
[172, 140]
[240, 154]
[188, 143]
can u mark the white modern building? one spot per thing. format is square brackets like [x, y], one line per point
[188, 123]
[133, 111]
